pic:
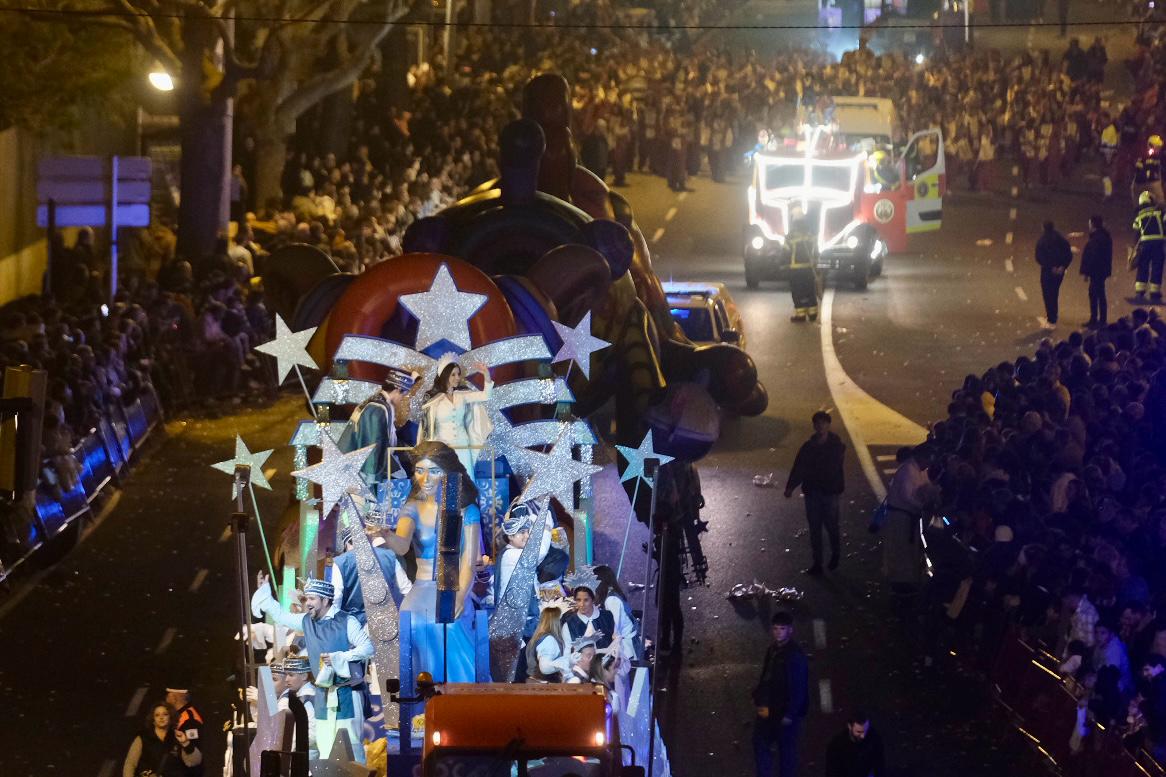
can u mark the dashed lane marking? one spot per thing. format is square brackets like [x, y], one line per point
[107, 768]
[819, 634]
[889, 470]
[1015, 170]
[136, 701]
[199, 578]
[1012, 214]
[682, 197]
[657, 235]
[1015, 191]
[825, 696]
[885, 457]
[1008, 239]
[1020, 293]
[167, 638]
[671, 214]
[868, 421]
[226, 535]
[1008, 265]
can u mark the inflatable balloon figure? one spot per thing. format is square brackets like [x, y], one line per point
[547, 242]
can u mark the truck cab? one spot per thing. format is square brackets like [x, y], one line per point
[844, 175]
[501, 730]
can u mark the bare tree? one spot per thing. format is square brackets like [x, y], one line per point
[278, 47]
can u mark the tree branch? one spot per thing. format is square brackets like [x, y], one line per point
[315, 89]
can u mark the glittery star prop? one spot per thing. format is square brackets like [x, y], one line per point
[384, 624]
[556, 473]
[510, 614]
[443, 312]
[578, 344]
[289, 348]
[254, 461]
[340, 762]
[338, 474]
[344, 392]
[635, 458]
[308, 432]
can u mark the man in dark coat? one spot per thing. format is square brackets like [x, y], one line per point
[1054, 256]
[1096, 266]
[857, 751]
[781, 698]
[818, 470]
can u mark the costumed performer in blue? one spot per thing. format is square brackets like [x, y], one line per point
[376, 421]
[339, 649]
[455, 413]
[417, 530]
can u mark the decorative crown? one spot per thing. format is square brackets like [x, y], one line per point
[583, 577]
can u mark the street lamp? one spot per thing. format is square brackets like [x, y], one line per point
[161, 80]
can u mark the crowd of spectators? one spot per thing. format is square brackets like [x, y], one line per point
[1050, 472]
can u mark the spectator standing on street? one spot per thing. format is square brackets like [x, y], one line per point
[856, 751]
[187, 718]
[1054, 255]
[818, 470]
[1096, 266]
[781, 698]
[160, 750]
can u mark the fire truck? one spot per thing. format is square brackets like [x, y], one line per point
[843, 176]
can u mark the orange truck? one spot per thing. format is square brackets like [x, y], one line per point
[500, 730]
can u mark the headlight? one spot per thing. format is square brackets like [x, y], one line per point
[852, 242]
[758, 242]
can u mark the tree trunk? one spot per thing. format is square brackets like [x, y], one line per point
[270, 155]
[203, 211]
[393, 86]
[335, 128]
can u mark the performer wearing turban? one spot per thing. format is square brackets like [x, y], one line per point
[298, 680]
[338, 647]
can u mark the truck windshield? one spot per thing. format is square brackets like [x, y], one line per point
[782, 176]
[489, 765]
[830, 177]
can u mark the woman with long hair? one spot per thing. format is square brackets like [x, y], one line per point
[455, 413]
[547, 660]
[160, 750]
[433, 463]
[611, 597]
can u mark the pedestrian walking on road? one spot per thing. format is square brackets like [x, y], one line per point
[818, 470]
[1054, 256]
[1096, 266]
[1150, 255]
[782, 699]
[856, 751]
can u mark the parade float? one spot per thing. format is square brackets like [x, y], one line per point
[538, 288]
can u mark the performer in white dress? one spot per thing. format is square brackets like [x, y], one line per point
[455, 413]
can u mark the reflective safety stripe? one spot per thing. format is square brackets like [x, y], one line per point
[1139, 285]
[1155, 288]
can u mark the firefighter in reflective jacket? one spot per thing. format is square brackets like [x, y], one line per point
[1148, 172]
[803, 274]
[1149, 258]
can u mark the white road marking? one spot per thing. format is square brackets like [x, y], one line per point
[226, 535]
[682, 197]
[1015, 191]
[671, 214]
[819, 634]
[1008, 264]
[199, 578]
[136, 701]
[984, 242]
[825, 696]
[658, 234]
[889, 470]
[1008, 239]
[167, 638]
[868, 421]
[269, 473]
[1020, 293]
[1015, 170]
[1012, 214]
[885, 457]
[107, 768]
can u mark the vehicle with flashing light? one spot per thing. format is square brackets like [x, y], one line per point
[533, 730]
[706, 312]
[843, 174]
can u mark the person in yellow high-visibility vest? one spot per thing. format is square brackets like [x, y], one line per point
[1150, 255]
[803, 273]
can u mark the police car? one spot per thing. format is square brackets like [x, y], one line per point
[705, 312]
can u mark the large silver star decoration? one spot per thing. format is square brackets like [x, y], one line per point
[556, 473]
[578, 344]
[254, 461]
[443, 312]
[338, 474]
[635, 458]
[289, 348]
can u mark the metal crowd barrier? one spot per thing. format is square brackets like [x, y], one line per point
[1045, 712]
[102, 456]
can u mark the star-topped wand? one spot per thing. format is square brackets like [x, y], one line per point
[253, 463]
[635, 469]
[290, 350]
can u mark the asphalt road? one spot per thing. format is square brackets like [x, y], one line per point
[148, 599]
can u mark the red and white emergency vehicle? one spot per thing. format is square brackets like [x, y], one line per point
[862, 199]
